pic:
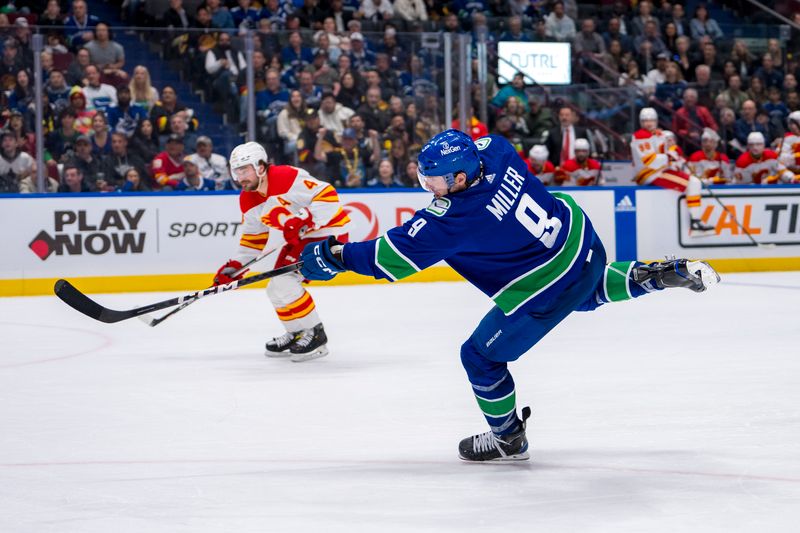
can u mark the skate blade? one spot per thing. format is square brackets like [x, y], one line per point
[698, 234]
[322, 351]
[270, 353]
[524, 456]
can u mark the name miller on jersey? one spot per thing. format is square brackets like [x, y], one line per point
[502, 202]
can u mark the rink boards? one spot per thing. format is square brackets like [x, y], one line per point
[159, 241]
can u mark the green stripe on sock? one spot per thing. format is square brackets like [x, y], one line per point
[499, 407]
[616, 281]
[390, 261]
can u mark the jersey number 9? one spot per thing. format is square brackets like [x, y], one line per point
[539, 225]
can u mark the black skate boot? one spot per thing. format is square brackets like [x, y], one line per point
[279, 346]
[698, 228]
[309, 344]
[694, 275]
[489, 447]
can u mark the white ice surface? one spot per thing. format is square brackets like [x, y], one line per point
[675, 412]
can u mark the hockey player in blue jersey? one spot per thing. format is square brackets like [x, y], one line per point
[534, 253]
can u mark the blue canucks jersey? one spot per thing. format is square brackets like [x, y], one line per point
[506, 234]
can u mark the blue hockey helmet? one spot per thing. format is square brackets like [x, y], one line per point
[447, 154]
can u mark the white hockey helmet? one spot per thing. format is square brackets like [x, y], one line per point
[709, 135]
[539, 152]
[794, 116]
[647, 113]
[250, 153]
[582, 144]
[756, 137]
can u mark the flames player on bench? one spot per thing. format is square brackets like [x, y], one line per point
[539, 164]
[790, 145]
[652, 164]
[582, 171]
[759, 165]
[286, 199]
[711, 166]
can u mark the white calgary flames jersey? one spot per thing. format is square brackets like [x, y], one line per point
[289, 190]
[544, 172]
[574, 173]
[715, 169]
[648, 154]
[766, 169]
[790, 152]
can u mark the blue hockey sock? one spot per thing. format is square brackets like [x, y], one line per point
[498, 402]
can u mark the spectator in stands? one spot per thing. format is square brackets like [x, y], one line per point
[689, 121]
[73, 180]
[273, 98]
[678, 17]
[360, 56]
[789, 83]
[295, 56]
[771, 76]
[133, 182]
[101, 140]
[76, 72]
[77, 102]
[192, 179]
[245, 17]
[106, 54]
[310, 92]
[777, 110]
[176, 17]
[52, 16]
[711, 58]
[670, 38]
[124, 117]
[178, 125]
[144, 142]
[651, 36]
[793, 100]
[334, 116]
[22, 94]
[671, 91]
[701, 25]
[757, 92]
[165, 108]
[329, 32]
[61, 142]
[558, 25]
[515, 88]
[514, 31]
[99, 96]
[290, 122]
[322, 74]
[91, 167]
[411, 178]
[347, 165]
[385, 177]
[376, 10]
[587, 41]
[168, 165]
[373, 110]
[15, 164]
[560, 141]
[11, 64]
[368, 140]
[702, 83]
[614, 32]
[658, 74]
[727, 133]
[742, 58]
[349, 95]
[540, 119]
[615, 59]
[212, 166]
[734, 96]
[632, 77]
[57, 89]
[16, 124]
[220, 16]
[79, 25]
[515, 111]
[226, 66]
[682, 58]
[55, 43]
[748, 123]
[117, 163]
[305, 145]
[540, 34]
[398, 156]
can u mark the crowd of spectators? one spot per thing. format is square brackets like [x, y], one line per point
[341, 91]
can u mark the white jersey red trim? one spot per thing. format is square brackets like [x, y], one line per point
[544, 172]
[714, 169]
[573, 173]
[766, 169]
[790, 152]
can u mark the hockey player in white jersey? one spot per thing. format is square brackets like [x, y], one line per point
[539, 164]
[790, 144]
[711, 166]
[759, 165]
[652, 164]
[285, 199]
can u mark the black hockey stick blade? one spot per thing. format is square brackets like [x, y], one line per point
[83, 304]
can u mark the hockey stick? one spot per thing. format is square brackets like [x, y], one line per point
[83, 304]
[153, 322]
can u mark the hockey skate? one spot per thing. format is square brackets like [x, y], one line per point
[698, 228]
[279, 346]
[694, 275]
[309, 344]
[488, 447]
